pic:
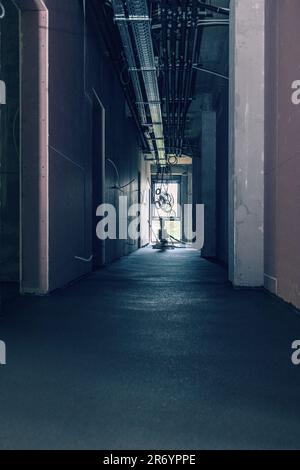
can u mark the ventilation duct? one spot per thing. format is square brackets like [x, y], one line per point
[142, 67]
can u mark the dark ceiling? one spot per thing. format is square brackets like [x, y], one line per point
[184, 40]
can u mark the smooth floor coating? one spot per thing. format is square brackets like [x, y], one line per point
[156, 351]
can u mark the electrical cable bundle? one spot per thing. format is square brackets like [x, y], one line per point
[164, 200]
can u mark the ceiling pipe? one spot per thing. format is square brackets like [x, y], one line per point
[134, 18]
[215, 9]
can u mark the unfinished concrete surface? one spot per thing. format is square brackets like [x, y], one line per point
[9, 146]
[66, 72]
[156, 351]
[246, 143]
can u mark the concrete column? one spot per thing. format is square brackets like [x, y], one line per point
[208, 181]
[34, 245]
[246, 143]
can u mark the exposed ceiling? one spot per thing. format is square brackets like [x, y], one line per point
[182, 72]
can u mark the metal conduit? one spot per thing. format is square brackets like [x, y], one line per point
[137, 16]
[130, 57]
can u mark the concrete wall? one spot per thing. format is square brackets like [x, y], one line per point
[67, 77]
[9, 146]
[222, 177]
[246, 143]
[204, 175]
[282, 149]
[81, 70]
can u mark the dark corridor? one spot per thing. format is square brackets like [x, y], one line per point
[149, 229]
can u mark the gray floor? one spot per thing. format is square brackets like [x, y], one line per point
[157, 351]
